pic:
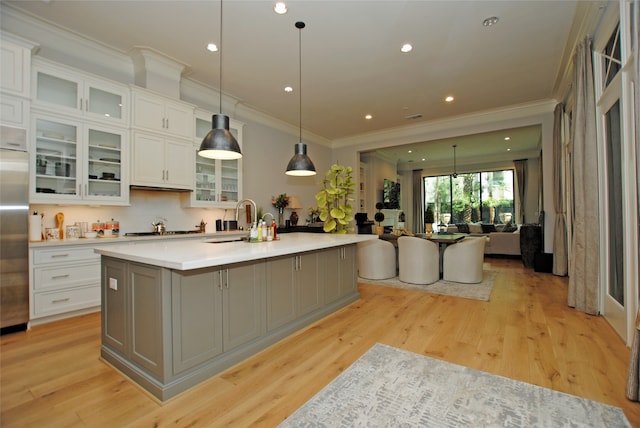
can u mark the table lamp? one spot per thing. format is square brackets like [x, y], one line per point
[294, 204]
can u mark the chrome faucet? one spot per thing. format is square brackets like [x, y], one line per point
[273, 219]
[255, 209]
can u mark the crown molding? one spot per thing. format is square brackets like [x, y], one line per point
[68, 47]
[585, 22]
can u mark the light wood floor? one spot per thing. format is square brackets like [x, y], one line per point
[52, 375]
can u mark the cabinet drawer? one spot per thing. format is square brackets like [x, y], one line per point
[66, 300]
[62, 255]
[51, 278]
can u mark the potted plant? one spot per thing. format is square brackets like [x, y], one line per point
[335, 198]
[379, 217]
[429, 220]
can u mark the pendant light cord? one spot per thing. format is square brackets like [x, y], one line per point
[455, 174]
[220, 56]
[300, 25]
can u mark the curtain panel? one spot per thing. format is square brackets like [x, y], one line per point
[560, 256]
[584, 266]
[633, 376]
[521, 172]
[418, 205]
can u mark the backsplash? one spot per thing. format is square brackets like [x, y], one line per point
[146, 207]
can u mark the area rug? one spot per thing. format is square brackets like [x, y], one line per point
[481, 291]
[389, 387]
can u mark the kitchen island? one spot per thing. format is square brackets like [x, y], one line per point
[175, 313]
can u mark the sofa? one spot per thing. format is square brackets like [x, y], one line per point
[502, 239]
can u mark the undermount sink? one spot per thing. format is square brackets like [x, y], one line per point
[228, 239]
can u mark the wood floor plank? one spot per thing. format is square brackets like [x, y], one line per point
[52, 375]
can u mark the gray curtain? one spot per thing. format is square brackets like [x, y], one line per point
[418, 206]
[560, 259]
[521, 172]
[584, 265]
[633, 378]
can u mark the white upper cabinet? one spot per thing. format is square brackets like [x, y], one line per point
[15, 85]
[153, 112]
[218, 183]
[161, 162]
[78, 163]
[71, 92]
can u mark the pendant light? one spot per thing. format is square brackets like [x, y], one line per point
[300, 164]
[455, 174]
[219, 142]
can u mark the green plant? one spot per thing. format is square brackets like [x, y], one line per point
[379, 216]
[335, 198]
[428, 215]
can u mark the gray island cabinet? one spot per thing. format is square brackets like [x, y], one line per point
[176, 313]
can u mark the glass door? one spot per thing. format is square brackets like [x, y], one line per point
[55, 160]
[104, 164]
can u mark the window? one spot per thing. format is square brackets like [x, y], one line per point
[480, 196]
[611, 57]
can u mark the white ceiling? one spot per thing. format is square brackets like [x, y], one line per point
[351, 59]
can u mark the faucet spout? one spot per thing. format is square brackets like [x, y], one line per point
[253, 205]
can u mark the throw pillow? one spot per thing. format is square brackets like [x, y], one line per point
[488, 228]
[509, 228]
[475, 228]
[462, 227]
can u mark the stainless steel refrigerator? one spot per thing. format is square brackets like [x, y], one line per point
[14, 237]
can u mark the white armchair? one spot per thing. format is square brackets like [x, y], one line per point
[418, 260]
[462, 262]
[376, 259]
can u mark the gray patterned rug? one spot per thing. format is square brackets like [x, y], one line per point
[480, 291]
[389, 387]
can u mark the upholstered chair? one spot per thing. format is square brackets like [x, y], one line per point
[462, 262]
[376, 259]
[418, 260]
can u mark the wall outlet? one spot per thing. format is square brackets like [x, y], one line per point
[113, 284]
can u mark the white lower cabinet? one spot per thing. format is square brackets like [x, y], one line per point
[65, 280]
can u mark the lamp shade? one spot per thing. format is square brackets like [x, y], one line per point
[219, 143]
[300, 164]
[294, 203]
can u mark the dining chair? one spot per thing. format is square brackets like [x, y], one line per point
[418, 260]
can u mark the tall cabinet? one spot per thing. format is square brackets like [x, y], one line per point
[80, 138]
[162, 154]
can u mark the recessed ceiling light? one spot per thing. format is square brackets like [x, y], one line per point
[368, 117]
[508, 150]
[212, 47]
[507, 138]
[492, 20]
[280, 8]
[288, 89]
[424, 159]
[449, 99]
[409, 151]
[406, 48]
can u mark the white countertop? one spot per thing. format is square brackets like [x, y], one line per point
[135, 239]
[185, 255]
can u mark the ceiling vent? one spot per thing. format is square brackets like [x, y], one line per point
[414, 116]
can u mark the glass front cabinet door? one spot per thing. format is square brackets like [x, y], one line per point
[218, 183]
[75, 162]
